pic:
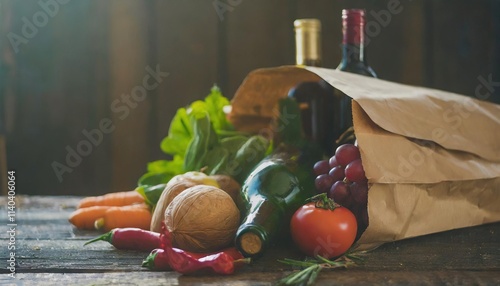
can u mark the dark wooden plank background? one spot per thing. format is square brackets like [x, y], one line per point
[89, 53]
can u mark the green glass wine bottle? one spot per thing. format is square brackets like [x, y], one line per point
[277, 186]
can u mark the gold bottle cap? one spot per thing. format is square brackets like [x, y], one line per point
[311, 23]
[308, 41]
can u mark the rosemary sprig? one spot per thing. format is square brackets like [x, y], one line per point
[306, 276]
[313, 267]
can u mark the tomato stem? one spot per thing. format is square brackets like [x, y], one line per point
[322, 201]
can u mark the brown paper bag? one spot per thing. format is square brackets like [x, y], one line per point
[432, 157]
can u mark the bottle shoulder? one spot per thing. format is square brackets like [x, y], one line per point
[357, 68]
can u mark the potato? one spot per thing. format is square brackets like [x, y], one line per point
[228, 185]
[202, 219]
[196, 177]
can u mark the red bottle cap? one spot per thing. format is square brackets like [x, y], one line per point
[353, 25]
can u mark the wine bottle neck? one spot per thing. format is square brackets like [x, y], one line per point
[353, 53]
[353, 40]
[353, 33]
[259, 226]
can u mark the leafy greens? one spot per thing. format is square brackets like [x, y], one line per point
[201, 138]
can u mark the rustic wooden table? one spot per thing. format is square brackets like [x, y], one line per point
[49, 251]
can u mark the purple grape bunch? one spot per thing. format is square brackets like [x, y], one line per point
[343, 179]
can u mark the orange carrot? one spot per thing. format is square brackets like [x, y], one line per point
[112, 199]
[125, 216]
[85, 218]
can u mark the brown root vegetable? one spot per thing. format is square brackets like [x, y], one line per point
[202, 219]
[228, 185]
[175, 186]
[196, 177]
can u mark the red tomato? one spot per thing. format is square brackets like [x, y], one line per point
[324, 232]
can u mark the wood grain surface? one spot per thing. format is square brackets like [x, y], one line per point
[49, 251]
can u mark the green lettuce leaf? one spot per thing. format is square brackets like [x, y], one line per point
[203, 141]
[215, 103]
[179, 134]
[200, 137]
[151, 194]
[182, 137]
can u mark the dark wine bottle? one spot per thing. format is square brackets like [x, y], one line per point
[276, 187]
[272, 192]
[354, 61]
[316, 103]
[311, 95]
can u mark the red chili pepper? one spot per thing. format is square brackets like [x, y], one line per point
[130, 238]
[157, 260]
[223, 262]
[182, 262]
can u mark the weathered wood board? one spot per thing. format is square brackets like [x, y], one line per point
[50, 251]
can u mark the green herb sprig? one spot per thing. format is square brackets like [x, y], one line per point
[313, 267]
